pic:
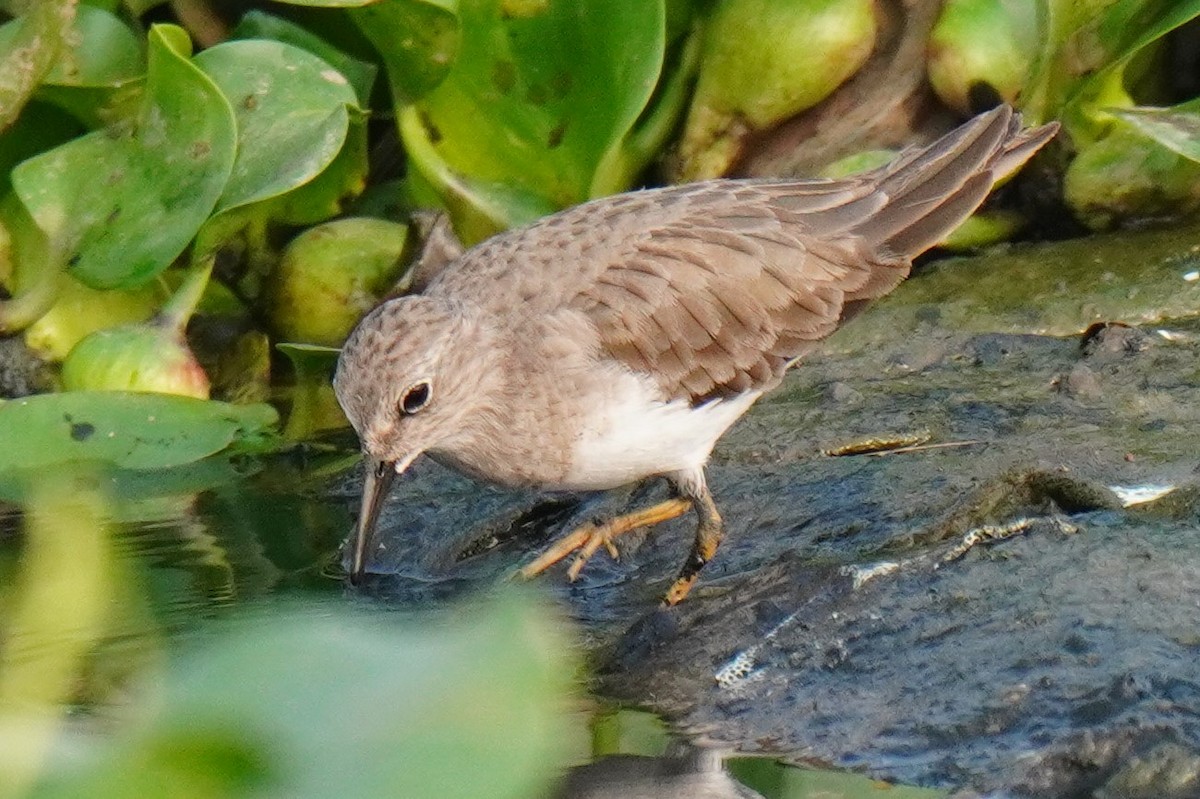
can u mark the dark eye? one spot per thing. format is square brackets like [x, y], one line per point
[416, 398]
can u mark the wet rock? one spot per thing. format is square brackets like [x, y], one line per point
[1108, 339]
[1168, 771]
[1080, 383]
[21, 372]
[842, 394]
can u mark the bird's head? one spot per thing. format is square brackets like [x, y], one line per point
[410, 377]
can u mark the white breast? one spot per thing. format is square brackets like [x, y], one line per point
[635, 435]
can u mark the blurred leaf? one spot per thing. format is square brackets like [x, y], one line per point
[305, 704]
[1086, 48]
[1177, 129]
[57, 614]
[1126, 175]
[34, 269]
[102, 51]
[128, 430]
[261, 25]
[123, 204]
[99, 77]
[292, 115]
[982, 44]
[332, 274]
[417, 39]
[324, 196]
[39, 128]
[538, 97]
[29, 46]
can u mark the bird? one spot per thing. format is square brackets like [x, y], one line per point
[618, 340]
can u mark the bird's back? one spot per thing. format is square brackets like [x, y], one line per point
[712, 289]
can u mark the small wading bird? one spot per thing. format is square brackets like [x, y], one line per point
[618, 340]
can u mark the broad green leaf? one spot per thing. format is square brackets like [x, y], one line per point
[538, 97]
[261, 25]
[120, 204]
[130, 431]
[40, 127]
[324, 196]
[1177, 129]
[29, 46]
[99, 76]
[303, 703]
[1086, 48]
[102, 51]
[417, 39]
[292, 115]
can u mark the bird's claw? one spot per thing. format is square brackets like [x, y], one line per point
[586, 541]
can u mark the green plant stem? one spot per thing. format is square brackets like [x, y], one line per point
[179, 309]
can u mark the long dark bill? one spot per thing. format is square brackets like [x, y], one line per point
[379, 476]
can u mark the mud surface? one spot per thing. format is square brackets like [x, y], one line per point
[999, 607]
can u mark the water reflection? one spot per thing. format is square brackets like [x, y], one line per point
[684, 772]
[115, 583]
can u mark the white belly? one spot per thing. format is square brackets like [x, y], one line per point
[634, 435]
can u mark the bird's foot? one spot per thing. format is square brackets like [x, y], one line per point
[589, 538]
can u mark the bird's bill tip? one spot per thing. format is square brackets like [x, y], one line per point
[379, 477]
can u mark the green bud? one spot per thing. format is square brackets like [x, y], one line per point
[763, 62]
[152, 357]
[1126, 175]
[332, 274]
[134, 358]
[978, 44]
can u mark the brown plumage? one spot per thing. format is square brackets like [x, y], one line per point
[619, 339]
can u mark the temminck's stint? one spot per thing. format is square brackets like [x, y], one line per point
[619, 339]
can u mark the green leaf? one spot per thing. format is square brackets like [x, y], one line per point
[29, 46]
[122, 204]
[471, 706]
[40, 127]
[292, 115]
[539, 96]
[102, 51]
[324, 196]
[1177, 129]
[131, 431]
[261, 25]
[417, 39]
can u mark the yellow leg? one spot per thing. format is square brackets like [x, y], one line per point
[590, 537]
[708, 537]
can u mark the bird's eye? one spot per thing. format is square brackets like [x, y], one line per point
[415, 398]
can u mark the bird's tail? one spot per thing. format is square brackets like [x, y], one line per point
[929, 192]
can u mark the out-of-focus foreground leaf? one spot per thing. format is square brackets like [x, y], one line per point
[54, 613]
[303, 704]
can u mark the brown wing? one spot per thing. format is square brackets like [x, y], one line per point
[714, 288]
